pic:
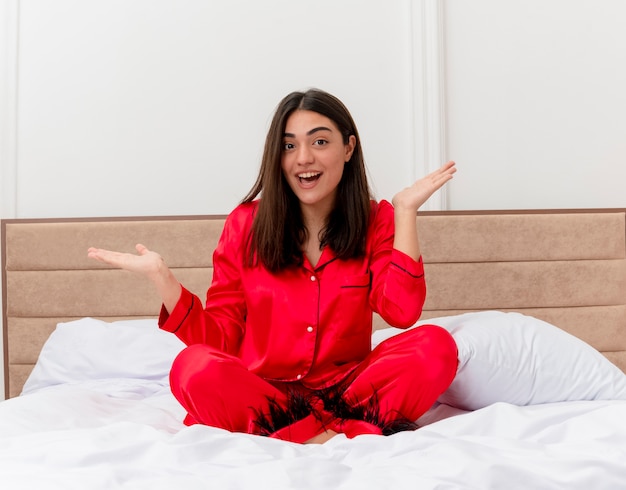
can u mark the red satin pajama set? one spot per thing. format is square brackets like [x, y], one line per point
[289, 355]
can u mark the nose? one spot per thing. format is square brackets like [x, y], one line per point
[304, 155]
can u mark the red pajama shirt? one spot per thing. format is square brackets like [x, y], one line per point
[305, 328]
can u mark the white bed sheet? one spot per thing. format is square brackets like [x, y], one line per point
[121, 433]
[97, 413]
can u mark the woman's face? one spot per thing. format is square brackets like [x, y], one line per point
[313, 158]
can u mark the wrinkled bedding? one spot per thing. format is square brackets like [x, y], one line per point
[113, 434]
[97, 413]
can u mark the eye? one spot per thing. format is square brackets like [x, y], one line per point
[288, 146]
[320, 142]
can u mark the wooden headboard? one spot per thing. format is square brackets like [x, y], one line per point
[567, 267]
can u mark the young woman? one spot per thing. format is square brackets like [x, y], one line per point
[282, 345]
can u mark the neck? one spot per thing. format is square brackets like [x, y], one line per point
[314, 222]
[315, 217]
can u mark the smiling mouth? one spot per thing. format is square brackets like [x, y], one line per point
[309, 176]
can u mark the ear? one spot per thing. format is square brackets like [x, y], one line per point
[350, 145]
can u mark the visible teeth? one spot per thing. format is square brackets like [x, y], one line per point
[308, 175]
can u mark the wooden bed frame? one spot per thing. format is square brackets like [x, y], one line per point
[567, 267]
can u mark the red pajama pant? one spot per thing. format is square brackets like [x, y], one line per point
[402, 377]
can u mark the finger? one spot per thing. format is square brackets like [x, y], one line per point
[437, 182]
[110, 257]
[448, 168]
[446, 172]
[141, 249]
[98, 254]
[441, 171]
[445, 178]
[95, 252]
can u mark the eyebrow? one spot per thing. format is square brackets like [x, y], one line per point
[309, 133]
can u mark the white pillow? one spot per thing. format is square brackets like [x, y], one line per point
[90, 349]
[519, 359]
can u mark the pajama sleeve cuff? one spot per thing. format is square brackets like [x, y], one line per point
[172, 321]
[402, 261]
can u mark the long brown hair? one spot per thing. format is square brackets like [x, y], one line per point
[278, 231]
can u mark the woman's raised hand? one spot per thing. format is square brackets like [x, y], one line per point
[145, 262]
[413, 197]
[408, 201]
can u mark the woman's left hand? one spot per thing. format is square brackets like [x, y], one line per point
[413, 197]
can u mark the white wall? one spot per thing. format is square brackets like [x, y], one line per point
[536, 103]
[160, 107]
[130, 107]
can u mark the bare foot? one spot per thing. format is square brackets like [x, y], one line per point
[322, 438]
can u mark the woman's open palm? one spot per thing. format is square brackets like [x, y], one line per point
[414, 196]
[145, 262]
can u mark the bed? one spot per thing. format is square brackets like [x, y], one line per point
[535, 299]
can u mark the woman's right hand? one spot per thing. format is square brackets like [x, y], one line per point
[145, 262]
